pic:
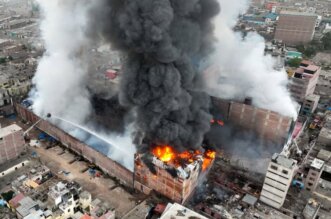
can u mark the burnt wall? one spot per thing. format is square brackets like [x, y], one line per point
[108, 165]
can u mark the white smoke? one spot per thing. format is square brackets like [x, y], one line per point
[60, 83]
[60, 80]
[122, 150]
[242, 70]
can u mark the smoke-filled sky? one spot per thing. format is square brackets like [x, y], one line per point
[244, 70]
[62, 76]
[60, 81]
[160, 38]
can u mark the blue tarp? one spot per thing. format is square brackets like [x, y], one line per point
[42, 136]
[51, 139]
[2, 202]
[91, 171]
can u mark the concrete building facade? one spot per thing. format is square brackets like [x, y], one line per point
[304, 80]
[314, 174]
[310, 104]
[11, 143]
[323, 89]
[324, 137]
[278, 180]
[295, 28]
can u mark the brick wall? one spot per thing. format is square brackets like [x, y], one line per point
[11, 146]
[266, 124]
[108, 165]
[295, 29]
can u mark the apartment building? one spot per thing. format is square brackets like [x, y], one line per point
[323, 89]
[295, 28]
[304, 80]
[278, 180]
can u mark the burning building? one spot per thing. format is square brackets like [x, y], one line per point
[161, 84]
[174, 175]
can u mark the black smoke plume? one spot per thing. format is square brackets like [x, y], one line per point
[159, 80]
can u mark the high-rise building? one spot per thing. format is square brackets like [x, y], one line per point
[278, 180]
[295, 27]
[11, 142]
[304, 80]
[314, 174]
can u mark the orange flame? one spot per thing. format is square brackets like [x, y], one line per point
[208, 158]
[164, 153]
[167, 154]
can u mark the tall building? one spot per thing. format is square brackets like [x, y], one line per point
[295, 27]
[323, 89]
[11, 142]
[278, 180]
[314, 174]
[304, 80]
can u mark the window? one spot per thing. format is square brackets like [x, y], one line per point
[22, 164]
[313, 174]
[311, 178]
[310, 184]
[68, 210]
[285, 172]
[274, 167]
